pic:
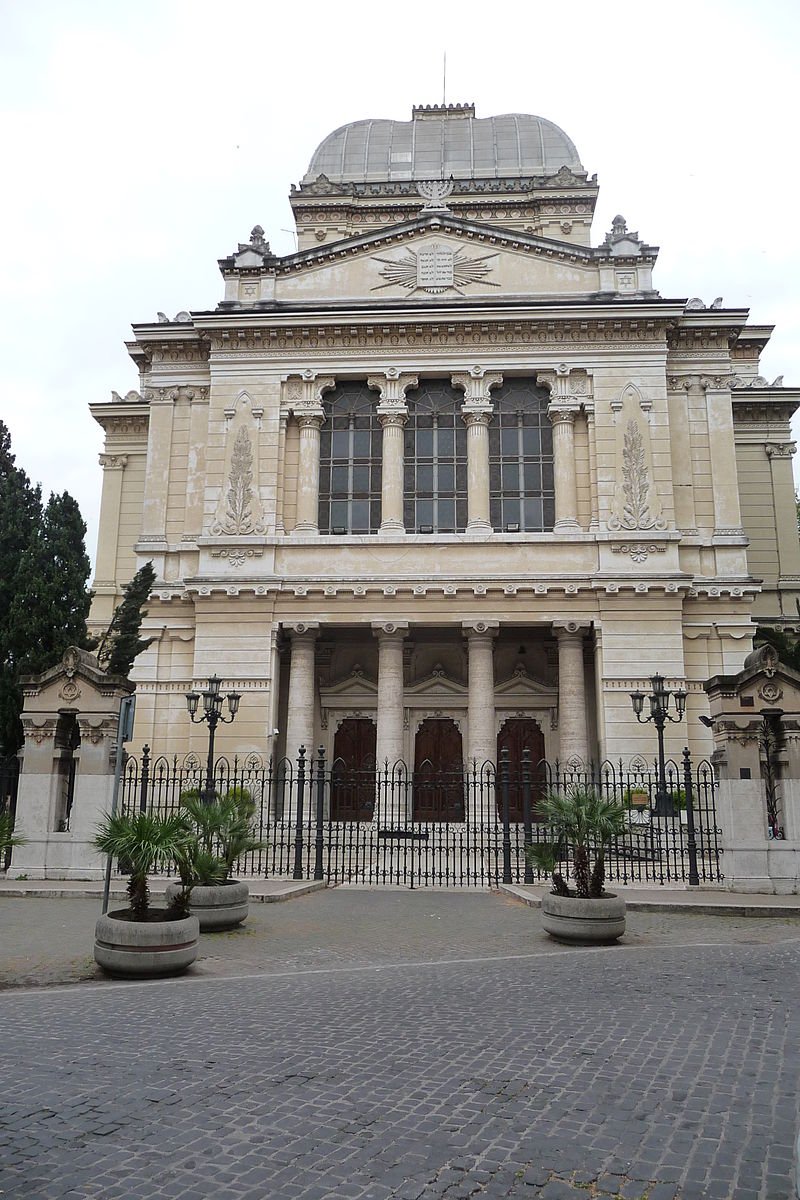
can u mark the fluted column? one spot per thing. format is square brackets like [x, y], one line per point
[305, 394]
[477, 413]
[390, 692]
[159, 453]
[392, 414]
[302, 691]
[573, 733]
[480, 637]
[110, 504]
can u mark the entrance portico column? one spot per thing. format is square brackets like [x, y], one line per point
[573, 734]
[390, 693]
[301, 706]
[480, 637]
[309, 414]
[392, 414]
[477, 413]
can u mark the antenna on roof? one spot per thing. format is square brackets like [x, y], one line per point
[444, 78]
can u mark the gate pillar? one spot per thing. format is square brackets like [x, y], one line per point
[69, 718]
[756, 724]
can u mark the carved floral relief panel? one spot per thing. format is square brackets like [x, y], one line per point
[239, 510]
[636, 505]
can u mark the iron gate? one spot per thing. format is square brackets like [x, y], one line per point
[467, 828]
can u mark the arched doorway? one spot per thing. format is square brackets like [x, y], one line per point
[438, 771]
[353, 770]
[516, 735]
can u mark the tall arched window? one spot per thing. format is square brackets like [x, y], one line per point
[350, 461]
[521, 459]
[435, 481]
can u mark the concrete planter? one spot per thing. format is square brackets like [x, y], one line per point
[220, 906]
[145, 948]
[570, 919]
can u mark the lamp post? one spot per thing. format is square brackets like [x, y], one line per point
[212, 714]
[659, 714]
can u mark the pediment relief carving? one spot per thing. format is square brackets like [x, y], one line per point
[520, 683]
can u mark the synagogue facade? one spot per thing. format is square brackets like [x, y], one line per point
[450, 477]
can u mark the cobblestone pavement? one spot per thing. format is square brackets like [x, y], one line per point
[358, 1044]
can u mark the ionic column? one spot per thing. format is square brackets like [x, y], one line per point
[310, 414]
[477, 413]
[573, 734]
[390, 693]
[302, 691]
[780, 465]
[392, 414]
[480, 637]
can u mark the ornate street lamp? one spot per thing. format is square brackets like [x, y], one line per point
[659, 714]
[212, 714]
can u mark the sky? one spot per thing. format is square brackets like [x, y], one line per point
[141, 142]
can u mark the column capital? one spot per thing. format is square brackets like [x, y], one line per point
[780, 449]
[486, 629]
[301, 629]
[390, 629]
[565, 628]
[113, 462]
[563, 412]
[476, 384]
[310, 418]
[392, 385]
[395, 416]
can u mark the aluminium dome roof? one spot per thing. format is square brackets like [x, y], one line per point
[442, 141]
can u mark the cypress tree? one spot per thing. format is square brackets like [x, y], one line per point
[121, 643]
[44, 601]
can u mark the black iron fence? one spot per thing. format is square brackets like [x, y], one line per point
[467, 827]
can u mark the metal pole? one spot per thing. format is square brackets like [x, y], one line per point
[127, 708]
[145, 779]
[526, 812]
[691, 841]
[298, 829]
[663, 806]
[506, 816]
[318, 844]
[212, 729]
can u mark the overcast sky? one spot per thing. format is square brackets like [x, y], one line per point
[140, 142]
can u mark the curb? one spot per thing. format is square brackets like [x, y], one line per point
[288, 891]
[705, 908]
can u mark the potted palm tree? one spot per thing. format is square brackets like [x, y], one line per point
[582, 822]
[222, 831]
[143, 940]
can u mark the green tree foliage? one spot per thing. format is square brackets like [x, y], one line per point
[120, 644]
[44, 601]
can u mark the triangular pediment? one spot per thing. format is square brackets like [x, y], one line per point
[437, 683]
[520, 683]
[353, 686]
[443, 257]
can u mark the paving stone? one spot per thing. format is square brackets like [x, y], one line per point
[324, 1071]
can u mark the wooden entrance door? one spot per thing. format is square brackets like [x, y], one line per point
[353, 770]
[516, 735]
[438, 771]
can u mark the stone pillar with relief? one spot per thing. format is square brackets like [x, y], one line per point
[562, 411]
[309, 414]
[301, 708]
[389, 748]
[572, 725]
[477, 413]
[392, 414]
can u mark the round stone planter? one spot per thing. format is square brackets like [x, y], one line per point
[570, 919]
[220, 906]
[145, 948]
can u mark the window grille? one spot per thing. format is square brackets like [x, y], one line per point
[435, 483]
[522, 495]
[350, 461]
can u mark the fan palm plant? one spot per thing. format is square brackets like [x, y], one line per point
[223, 831]
[146, 842]
[583, 821]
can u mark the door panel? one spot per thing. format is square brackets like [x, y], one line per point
[353, 770]
[438, 771]
[516, 735]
